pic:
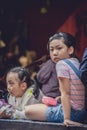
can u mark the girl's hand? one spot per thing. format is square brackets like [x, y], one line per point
[68, 122]
[1, 114]
[58, 99]
[4, 115]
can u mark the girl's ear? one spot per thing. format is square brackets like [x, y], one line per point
[71, 50]
[24, 86]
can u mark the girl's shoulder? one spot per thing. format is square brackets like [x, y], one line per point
[62, 64]
[73, 60]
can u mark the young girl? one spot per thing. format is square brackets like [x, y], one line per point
[71, 109]
[20, 89]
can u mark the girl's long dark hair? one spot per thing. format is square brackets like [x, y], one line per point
[69, 40]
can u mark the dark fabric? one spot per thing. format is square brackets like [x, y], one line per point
[83, 67]
[83, 73]
[48, 77]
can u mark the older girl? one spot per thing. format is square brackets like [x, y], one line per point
[62, 46]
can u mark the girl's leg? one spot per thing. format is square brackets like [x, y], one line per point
[36, 112]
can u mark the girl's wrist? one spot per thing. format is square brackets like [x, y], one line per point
[66, 118]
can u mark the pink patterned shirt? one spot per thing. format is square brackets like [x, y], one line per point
[77, 89]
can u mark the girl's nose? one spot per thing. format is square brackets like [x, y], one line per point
[8, 87]
[55, 52]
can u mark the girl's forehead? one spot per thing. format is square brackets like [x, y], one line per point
[12, 75]
[57, 42]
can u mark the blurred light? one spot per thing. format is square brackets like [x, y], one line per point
[43, 10]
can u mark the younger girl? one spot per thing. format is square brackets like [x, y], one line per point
[20, 89]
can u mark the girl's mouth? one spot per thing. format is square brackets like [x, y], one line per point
[56, 59]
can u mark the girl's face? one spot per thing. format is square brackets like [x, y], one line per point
[58, 50]
[14, 86]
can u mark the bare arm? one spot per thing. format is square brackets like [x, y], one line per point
[65, 96]
[64, 84]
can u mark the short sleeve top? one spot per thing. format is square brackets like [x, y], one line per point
[77, 89]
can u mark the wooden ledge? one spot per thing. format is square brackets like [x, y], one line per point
[8, 124]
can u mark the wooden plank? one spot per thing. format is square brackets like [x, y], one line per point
[8, 124]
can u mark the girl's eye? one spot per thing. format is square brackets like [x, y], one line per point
[11, 83]
[59, 48]
[51, 49]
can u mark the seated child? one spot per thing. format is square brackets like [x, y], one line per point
[20, 89]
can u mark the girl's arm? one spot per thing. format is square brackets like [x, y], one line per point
[65, 100]
[64, 85]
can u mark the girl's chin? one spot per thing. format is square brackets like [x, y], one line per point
[55, 61]
[11, 94]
